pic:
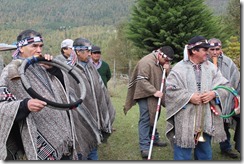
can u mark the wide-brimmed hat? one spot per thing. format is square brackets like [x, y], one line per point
[198, 42]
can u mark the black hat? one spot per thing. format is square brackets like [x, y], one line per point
[168, 50]
[198, 42]
[95, 49]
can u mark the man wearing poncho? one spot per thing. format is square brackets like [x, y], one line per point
[144, 89]
[97, 103]
[230, 71]
[189, 91]
[30, 129]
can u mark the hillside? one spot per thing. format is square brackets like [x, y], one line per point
[53, 14]
[59, 19]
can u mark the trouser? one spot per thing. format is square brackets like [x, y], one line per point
[202, 151]
[237, 135]
[226, 145]
[93, 155]
[144, 128]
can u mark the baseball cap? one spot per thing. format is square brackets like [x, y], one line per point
[67, 43]
[95, 49]
[198, 42]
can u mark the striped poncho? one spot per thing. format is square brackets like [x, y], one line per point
[47, 134]
[183, 117]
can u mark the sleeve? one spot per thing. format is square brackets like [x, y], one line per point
[23, 110]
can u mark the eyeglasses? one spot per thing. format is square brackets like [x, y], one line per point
[212, 49]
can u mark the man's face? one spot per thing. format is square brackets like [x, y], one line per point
[200, 55]
[96, 56]
[34, 49]
[67, 51]
[164, 59]
[83, 55]
[214, 51]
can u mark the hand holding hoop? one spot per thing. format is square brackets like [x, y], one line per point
[236, 101]
[26, 63]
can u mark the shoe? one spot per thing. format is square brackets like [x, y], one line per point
[160, 144]
[229, 153]
[144, 153]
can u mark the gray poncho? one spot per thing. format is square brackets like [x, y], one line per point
[97, 100]
[232, 74]
[51, 129]
[87, 134]
[184, 118]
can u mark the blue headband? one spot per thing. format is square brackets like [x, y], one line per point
[78, 48]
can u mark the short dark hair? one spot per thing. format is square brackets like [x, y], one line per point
[27, 33]
[81, 42]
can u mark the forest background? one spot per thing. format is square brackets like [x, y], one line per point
[103, 22]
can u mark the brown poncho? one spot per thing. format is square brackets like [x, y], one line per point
[144, 82]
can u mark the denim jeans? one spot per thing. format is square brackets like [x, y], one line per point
[93, 155]
[144, 128]
[225, 145]
[202, 151]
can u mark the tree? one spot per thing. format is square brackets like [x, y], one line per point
[122, 51]
[154, 23]
[232, 49]
[232, 19]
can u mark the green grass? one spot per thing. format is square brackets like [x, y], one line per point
[123, 143]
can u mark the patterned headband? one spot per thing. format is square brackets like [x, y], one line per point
[29, 40]
[215, 44]
[190, 46]
[78, 48]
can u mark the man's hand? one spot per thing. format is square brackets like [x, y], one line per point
[196, 99]
[166, 66]
[48, 58]
[207, 96]
[35, 105]
[158, 94]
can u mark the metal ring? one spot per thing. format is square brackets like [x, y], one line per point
[236, 100]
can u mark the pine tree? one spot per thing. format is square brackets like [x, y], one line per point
[232, 19]
[232, 49]
[154, 23]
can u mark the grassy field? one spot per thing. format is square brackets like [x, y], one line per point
[123, 143]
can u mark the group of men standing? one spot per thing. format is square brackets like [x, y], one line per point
[31, 128]
[195, 95]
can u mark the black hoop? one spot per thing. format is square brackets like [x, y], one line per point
[26, 63]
